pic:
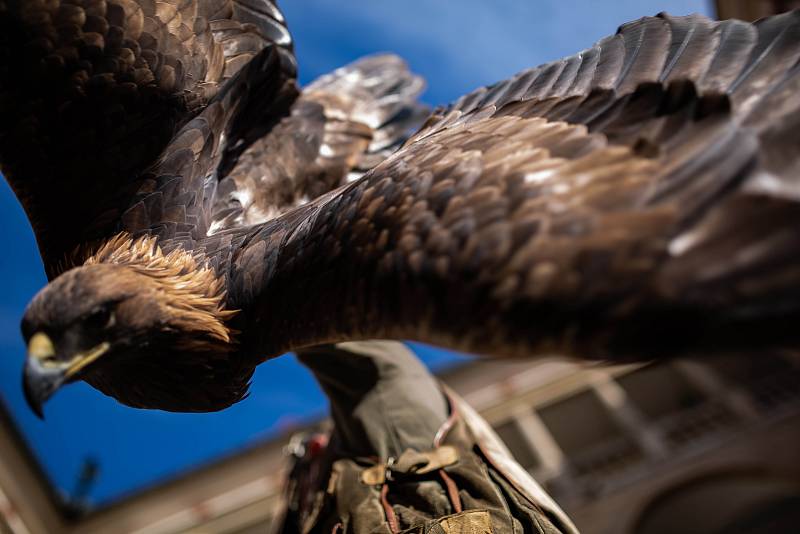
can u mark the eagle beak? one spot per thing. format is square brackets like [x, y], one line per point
[44, 373]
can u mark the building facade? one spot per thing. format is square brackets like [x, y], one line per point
[634, 449]
[670, 447]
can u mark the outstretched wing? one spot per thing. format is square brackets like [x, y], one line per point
[341, 125]
[91, 93]
[640, 197]
[180, 200]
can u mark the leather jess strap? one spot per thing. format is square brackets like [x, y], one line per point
[410, 463]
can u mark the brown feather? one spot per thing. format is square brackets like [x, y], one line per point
[193, 293]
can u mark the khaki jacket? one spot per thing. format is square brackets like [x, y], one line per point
[466, 483]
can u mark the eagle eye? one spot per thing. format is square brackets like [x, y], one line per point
[100, 318]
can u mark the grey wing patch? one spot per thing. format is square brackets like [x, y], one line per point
[377, 91]
[343, 123]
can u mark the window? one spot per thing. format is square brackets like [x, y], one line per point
[589, 437]
[660, 390]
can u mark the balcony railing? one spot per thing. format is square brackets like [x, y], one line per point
[777, 392]
[606, 465]
[695, 424]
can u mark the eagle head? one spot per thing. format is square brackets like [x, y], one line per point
[147, 328]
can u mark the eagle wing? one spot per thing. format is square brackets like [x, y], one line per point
[640, 197]
[342, 124]
[92, 92]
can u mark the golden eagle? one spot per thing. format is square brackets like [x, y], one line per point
[198, 214]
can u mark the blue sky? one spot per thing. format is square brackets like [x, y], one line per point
[456, 46]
